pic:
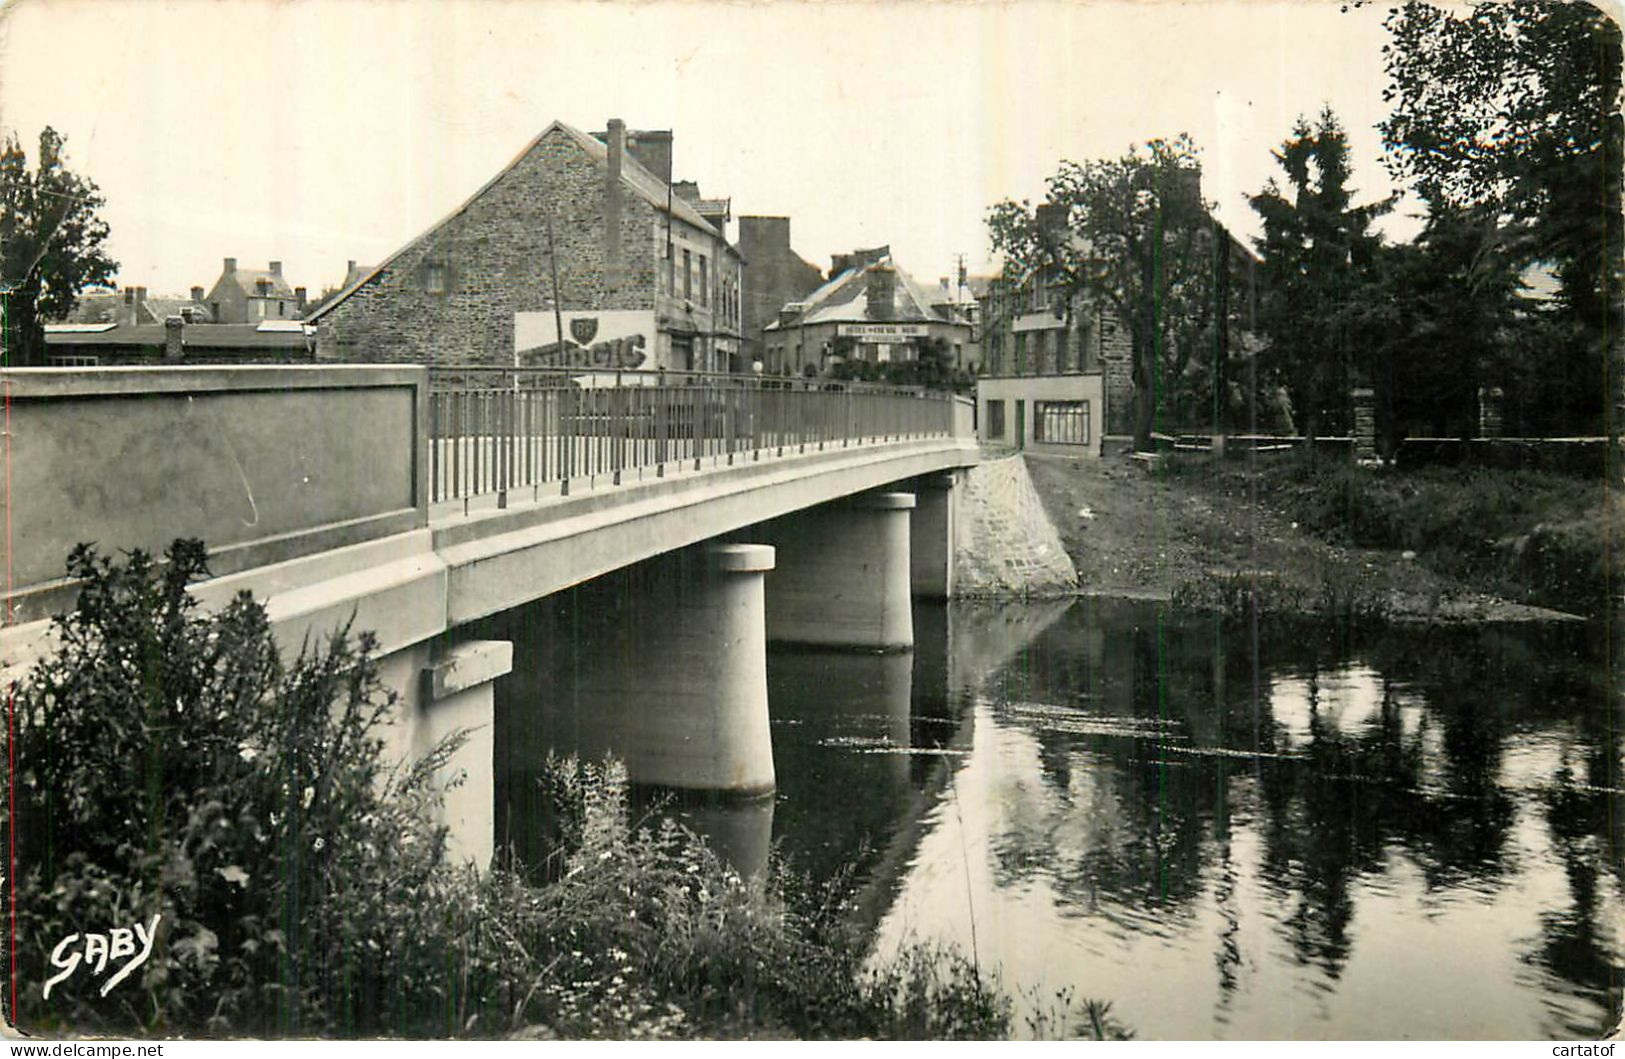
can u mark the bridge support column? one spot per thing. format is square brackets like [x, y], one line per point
[444, 690]
[932, 536]
[843, 576]
[691, 711]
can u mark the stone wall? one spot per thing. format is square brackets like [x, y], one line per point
[1117, 364]
[1006, 544]
[450, 296]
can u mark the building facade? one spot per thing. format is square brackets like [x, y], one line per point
[644, 279]
[1051, 378]
[871, 312]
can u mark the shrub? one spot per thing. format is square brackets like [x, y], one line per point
[169, 764]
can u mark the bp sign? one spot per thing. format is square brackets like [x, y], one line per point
[621, 339]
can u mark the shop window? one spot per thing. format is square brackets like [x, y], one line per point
[1061, 422]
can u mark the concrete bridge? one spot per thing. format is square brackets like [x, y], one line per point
[415, 505]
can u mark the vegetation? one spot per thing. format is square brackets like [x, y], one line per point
[1532, 536]
[1513, 109]
[1319, 280]
[51, 243]
[169, 764]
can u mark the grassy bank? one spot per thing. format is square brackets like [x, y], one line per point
[1533, 537]
[1329, 539]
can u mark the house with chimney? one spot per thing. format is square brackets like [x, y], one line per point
[870, 312]
[250, 295]
[585, 230]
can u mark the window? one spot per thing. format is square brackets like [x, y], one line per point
[705, 281]
[434, 279]
[995, 419]
[64, 361]
[669, 284]
[261, 307]
[1062, 422]
[688, 277]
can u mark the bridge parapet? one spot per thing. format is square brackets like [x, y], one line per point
[264, 463]
[499, 430]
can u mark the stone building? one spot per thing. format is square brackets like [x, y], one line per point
[645, 276]
[1050, 378]
[777, 276]
[871, 311]
[249, 295]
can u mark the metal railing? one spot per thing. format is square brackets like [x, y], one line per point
[501, 430]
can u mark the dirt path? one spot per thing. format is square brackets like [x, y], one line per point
[1133, 531]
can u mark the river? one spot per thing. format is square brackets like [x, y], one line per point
[1227, 832]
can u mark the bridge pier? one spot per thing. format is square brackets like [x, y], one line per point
[932, 537]
[686, 699]
[843, 575]
[444, 689]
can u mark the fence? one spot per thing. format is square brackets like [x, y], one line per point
[496, 430]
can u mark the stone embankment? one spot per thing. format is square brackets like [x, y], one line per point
[1006, 545]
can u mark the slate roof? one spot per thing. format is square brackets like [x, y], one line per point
[248, 279]
[643, 183]
[845, 299]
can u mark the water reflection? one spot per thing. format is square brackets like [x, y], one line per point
[1298, 835]
[1283, 832]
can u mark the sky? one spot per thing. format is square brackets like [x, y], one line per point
[314, 132]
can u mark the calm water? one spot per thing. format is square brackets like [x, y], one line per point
[1225, 835]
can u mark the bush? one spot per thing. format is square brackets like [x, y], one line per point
[169, 764]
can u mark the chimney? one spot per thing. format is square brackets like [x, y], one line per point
[880, 287]
[612, 203]
[276, 268]
[197, 294]
[299, 296]
[128, 312]
[231, 265]
[174, 349]
[652, 149]
[686, 190]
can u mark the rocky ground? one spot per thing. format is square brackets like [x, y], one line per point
[1132, 529]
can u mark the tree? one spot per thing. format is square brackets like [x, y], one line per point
[1320, 299]
[51, 243]
[1514, 107]
[1451, 325]
[1134, 234]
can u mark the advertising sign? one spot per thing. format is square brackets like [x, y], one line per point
[622, 339]
[882, 332]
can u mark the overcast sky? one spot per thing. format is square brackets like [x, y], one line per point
[316, 131]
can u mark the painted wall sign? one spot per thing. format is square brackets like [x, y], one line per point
[882, 332]
[619, 339]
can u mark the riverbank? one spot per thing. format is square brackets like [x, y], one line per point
[1441, 546]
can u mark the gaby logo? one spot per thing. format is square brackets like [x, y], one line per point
[101, 949]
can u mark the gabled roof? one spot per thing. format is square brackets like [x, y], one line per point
[248, 280]
[646, 185]
[845, 299]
